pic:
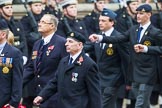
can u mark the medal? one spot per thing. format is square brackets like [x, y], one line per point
[109, 51]
[5, 70]
[147, 43]
[74, 77]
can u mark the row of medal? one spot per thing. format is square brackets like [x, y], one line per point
[6, 63]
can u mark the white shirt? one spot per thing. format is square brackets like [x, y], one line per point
[48, 38]
[144, 29]
[107, 33]
[2, 47]
[75, 56]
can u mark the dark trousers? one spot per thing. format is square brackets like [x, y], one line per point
[28, 102]
[142, 93]
[109, 96]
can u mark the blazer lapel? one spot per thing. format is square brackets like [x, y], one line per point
[5, 50]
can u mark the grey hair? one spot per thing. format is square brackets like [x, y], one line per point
[53, 19]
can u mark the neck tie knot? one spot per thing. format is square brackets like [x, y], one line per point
[70, 61]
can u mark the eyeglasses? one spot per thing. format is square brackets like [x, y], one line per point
[43, 22]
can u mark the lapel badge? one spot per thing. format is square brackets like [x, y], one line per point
[74, 77]
[50, 48]
[80, 60]
[110, 45]
[5, 70]
[72, 34]
[2, 55]
[146, 32]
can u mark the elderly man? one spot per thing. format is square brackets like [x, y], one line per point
[145, 44]
[47, 53]
[78, 82]
[11, 69]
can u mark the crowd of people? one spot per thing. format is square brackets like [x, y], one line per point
[53, 59]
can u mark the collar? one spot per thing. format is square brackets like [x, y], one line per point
[47, 39]
[108, 32]
[2, 45]
[75, 56]
[146, 25]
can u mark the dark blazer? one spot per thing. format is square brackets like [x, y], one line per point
[37, 78]
[78, 84]
[113, 66]
[11, 76]
[144, 64]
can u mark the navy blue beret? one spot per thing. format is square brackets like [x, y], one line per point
[3, 24]
[144, 8]
[77, 36]
[109, 13]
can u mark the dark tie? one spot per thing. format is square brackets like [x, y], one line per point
[40, 52]
[139, 34]
[70, 61]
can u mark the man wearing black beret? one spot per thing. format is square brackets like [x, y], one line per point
[77, 81]
[11, 69]
[145, 45]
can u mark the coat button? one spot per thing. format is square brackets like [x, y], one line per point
[39, 85]
[38, 76]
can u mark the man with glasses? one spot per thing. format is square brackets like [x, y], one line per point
[46, 55]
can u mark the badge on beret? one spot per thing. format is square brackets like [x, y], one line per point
[147, 43]
[5, 70]
[72, 34]
[109, 51]
[143, 10]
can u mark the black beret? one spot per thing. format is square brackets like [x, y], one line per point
[77, 36]
[109, 13]
[3, 24]
[144, 8]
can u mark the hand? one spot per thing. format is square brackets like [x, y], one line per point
[8, 106]
[93, 37]
[139, 48]
[37, 100]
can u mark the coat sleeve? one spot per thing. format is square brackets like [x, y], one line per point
[93, 86]
[17, 79]
[50, 89]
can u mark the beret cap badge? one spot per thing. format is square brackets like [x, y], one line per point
[72, 34]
